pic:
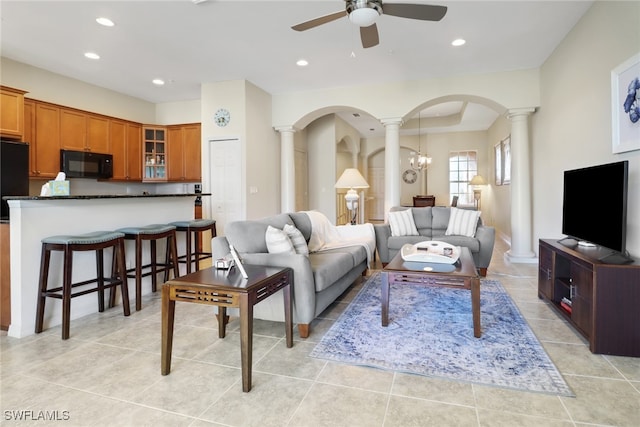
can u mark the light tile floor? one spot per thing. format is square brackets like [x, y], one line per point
[108, 374]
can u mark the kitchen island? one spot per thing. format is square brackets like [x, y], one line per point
[34, 218]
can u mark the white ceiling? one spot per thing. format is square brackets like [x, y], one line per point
[187, 44]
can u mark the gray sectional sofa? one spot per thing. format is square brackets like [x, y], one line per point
[319, 277]
[431, 224]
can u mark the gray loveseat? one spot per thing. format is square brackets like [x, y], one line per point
[431, 223]
[319, 278]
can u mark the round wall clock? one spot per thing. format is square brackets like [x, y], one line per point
[409, 176]
[222, 117]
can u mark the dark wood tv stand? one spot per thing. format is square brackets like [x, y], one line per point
[605, 298]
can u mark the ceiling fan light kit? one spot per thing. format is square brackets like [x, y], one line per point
[365, 12]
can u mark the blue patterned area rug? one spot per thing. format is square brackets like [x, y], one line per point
[430, 333]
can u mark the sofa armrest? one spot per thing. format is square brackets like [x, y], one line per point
[383, 232]
[219, 247]
[487, 237]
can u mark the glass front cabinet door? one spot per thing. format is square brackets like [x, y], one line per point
[155, 168]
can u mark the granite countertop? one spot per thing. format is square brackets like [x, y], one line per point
[101, 196]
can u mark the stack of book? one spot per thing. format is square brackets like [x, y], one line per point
[565, 303]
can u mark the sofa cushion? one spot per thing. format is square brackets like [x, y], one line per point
[278, 242]
[248, 236]
[297, 239]
[470, 242]
[423, 218]
[329, 266]
[303, 223]
[462, 222]
[402, 224]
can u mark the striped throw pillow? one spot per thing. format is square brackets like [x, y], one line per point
[278, 242]
[402, 223]
[299, 243]
[462, 222]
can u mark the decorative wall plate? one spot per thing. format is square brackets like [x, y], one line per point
[409, 176]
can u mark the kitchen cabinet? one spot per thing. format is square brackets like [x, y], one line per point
[184, 153]
[29, 135]
[83, 131]
[98, 138]
[126, 147]
[45, 149]
[11, 113]
[155, 161]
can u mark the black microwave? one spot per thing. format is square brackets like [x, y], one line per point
[84, 164]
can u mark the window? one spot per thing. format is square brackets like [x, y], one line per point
[463, 166]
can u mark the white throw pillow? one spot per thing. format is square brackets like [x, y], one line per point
[297, 239]
[278, 242]
[402, 223]
[462, 222]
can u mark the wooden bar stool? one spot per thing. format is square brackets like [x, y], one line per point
[152, 233]
[96, 241]
[195, 228]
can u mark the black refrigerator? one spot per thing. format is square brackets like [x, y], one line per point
[14, 172]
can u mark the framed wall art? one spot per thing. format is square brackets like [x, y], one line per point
[498, 163]
[506, 160]
[625, 106]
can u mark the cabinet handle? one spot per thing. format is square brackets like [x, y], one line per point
[573, 291]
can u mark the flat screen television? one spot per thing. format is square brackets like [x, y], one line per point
[594, 207]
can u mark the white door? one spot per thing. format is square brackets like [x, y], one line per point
[375, 200]
[227, 182]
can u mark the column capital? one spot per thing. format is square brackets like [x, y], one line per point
[285, 129]
[515, 112]
[392, 121]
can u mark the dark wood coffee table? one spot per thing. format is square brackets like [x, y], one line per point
[214, 287]
[462, 274]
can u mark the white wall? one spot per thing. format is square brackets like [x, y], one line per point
[573, 126]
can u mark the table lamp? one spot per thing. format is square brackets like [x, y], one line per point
[477, 182]
[351, 178]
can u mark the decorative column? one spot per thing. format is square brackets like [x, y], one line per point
[521, 224]
[391, 163]
[287, 169]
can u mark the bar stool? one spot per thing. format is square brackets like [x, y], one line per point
[152, 233]
[197, 227]
[96, 241]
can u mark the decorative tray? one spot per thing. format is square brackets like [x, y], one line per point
[430, 251]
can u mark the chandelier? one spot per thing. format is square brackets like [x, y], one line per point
[419, 161]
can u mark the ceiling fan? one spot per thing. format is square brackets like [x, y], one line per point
[365, 12]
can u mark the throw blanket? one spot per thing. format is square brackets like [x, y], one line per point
[326, 236]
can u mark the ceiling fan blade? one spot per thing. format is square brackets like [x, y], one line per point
[425, 12]
[369, 36]
[319, 21]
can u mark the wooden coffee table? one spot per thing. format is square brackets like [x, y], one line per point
[214, 287]
[462, 274]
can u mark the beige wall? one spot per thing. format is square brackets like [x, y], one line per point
[573, 126]
[50, 87]
[499, 196]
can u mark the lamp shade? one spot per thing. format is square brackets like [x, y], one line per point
[477, 180]
[351, 178]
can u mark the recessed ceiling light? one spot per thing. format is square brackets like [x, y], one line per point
[458, 42]
[92, 55]
[302, 63]
[158, 82]
[105, 21]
